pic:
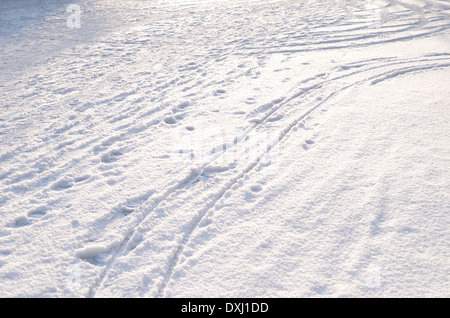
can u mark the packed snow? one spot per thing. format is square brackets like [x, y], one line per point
[225, 148]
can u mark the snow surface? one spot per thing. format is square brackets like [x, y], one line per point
[237, 148]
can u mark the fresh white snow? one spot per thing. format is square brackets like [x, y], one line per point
[237, 148]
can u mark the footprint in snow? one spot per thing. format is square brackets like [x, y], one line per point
[170, 120]
[184, 105]
[256, 188]
[252, 195]
[19, 221]
[38, 212]
[308, 142]
[219, 92]
[5, 252]
[62, 184]
[82, 178]
[111, 156]
[66, 183]
[95, 254]
[250, 101]
[276, 118]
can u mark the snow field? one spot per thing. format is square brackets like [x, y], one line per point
[229, 149]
